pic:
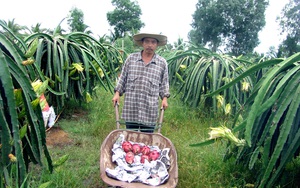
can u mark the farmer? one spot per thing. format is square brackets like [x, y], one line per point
[144, 79]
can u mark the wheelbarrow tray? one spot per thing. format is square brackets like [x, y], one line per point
[155, 139]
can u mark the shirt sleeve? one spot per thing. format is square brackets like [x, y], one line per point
[121, 83]
[164, 87]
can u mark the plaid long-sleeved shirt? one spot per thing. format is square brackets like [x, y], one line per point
[143, 85]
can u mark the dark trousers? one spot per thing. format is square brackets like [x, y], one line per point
[140, 127]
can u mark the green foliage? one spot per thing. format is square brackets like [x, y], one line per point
[231, 24]
[13, 27]
[125, 17]
[270, 112]
[289, 46]
[125, 44]
[23, 138]
[271, 127]
[288, 21]
[76, 21]
[199, 72]
[73, 64]
[37, 29]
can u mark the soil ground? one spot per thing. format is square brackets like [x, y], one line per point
[56, 136]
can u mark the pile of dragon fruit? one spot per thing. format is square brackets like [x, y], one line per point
[137, 162]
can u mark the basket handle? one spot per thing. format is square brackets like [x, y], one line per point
[161, 117]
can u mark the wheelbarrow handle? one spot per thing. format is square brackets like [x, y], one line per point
[161, 117]
[117, 115]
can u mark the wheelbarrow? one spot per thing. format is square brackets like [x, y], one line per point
[155, 139]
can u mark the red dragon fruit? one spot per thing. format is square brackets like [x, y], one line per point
[144, 157]
[153, 155]
[136, 149]
[127, 146]
[145, 150]
[129, 157]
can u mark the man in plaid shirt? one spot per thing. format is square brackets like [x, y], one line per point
[144, 79]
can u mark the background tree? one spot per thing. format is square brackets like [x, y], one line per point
[76, 21]
[38, 29]
[125, 17]
[289, 22]
[58, 30]
[15, 28]
[272, 53]
[125, 44]
[233, 25]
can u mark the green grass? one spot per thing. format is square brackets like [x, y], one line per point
[197, 166]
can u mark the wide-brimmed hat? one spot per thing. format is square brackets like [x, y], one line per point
[138, 38]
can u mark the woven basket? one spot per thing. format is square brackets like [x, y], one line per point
[155, 139]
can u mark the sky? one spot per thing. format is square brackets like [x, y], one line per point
[169, 17]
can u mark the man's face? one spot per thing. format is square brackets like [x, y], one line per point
[150, 45]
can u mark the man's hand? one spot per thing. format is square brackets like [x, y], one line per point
[116, 98]
[164, 103]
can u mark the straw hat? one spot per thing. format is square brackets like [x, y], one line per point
[162, 39]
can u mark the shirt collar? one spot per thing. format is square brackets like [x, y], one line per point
[154, 58]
